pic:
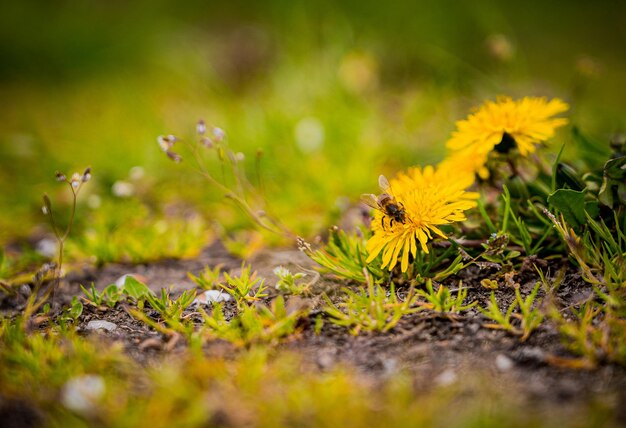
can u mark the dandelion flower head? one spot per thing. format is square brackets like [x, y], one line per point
[505, 122]
[430, 197]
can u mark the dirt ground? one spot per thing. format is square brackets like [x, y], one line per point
[435, 350]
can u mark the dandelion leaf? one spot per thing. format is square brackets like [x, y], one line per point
[572, 205]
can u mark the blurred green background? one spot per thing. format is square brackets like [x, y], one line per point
[334, 93]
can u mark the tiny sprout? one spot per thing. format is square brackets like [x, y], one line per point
[201, 127]
[218, 134]
[287, 281]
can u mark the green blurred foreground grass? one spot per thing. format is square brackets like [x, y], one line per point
[96, 383]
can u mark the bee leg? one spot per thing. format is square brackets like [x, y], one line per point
[390, 222]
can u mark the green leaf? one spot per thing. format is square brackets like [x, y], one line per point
[614, 182]
[567, 176]
[76, 309]
[135, 289]
[572, 205]
[111, 295]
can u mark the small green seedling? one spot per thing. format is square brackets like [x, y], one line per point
[442, 300]
[245, 288]
[133, 290]
[503, 320]
[208, 279]
[344, 256]
[529, 318]
[136, 290]
[254, 324]
[370, 309]
[109, 296]
[170, 309]
[287, 281]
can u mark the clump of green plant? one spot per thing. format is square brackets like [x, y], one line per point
[288, 282]
[253, 324]
[529, 315]
[170, 312]
[75, 184]
[208, 279]
[593, 332]
[442, 300]
[245, 288]
[132, 289]
[344, 256]
[370, 309]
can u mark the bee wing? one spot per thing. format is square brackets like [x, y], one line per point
[383, 183]
[370, 200]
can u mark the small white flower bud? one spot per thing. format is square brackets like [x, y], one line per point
[87, 175]
[201, 127]
[76, 179]
[218, 134]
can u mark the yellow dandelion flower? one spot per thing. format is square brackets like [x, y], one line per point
[524, 122]
[466, 164]
[430, 198]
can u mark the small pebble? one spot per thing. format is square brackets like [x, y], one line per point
[503, 363]
[532, 354]
[82, 393]
[211, 296]
[390, 366]
[325, 360]
[47, 247]
[25, 290]
[473, 327]
[101, 325]
[446, 378]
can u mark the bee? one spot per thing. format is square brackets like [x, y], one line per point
[385, 203]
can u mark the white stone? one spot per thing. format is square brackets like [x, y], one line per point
[101, 325]
[503, 363]
[211, 296]
[81, 394]
[446, 378]
[47, 247]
